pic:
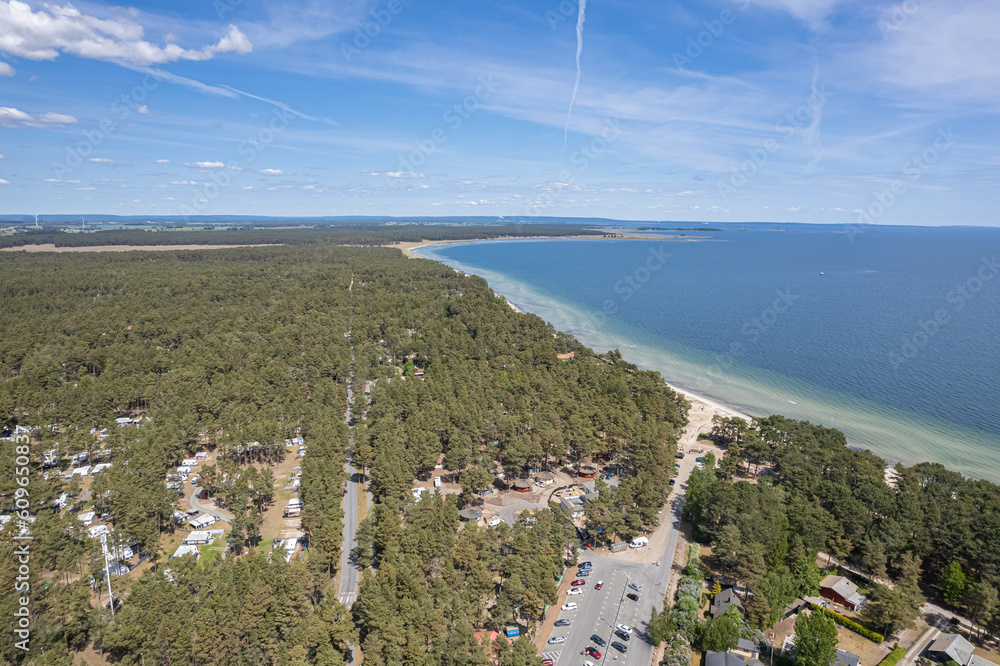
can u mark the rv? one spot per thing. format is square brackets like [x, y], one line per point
[639, 542]
[189, 462]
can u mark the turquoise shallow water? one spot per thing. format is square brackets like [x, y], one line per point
[896, 343]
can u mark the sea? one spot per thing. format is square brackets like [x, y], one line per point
[889, 334]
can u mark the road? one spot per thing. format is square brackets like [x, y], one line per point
[195, 504]
[348, 570]
[600, 610]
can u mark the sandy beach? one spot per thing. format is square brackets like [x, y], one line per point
[408, 247]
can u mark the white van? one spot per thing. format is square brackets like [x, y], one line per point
[639, 542]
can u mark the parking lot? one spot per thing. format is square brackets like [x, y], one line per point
[600, 611]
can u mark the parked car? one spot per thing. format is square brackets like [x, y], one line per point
[547, 662]
[672, 481]
[621, 647]
[575, 590]
[562, 623]
[583, 574]
[600, 641]
[622, 635]
[599, 585]
[578, 582]
[557, 640]
[593, 652]
[570, 606]
[624, 627]
[585, 565]
[635, 586]
[633, 596]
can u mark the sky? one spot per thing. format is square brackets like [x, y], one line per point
[830, 111]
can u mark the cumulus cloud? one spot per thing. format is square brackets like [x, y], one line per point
[272, 172]
[404, 174]
[17, 119]
[143, 110]
[4, 182]
[205, 165]
[56, 29]
[100, 160]
[6, 69]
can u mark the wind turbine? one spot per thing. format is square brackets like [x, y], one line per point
[36, 221]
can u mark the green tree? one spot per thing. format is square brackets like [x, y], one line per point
[891, 610]
[815, 639]
[953, 583]
[722, 633]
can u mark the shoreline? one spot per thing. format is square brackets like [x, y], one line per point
[699, 403]
[408, 248]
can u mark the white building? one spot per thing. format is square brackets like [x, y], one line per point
[186, 550]
[203, 521]
[197, 538]
[87, 518]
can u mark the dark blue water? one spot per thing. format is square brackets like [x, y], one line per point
[896, 343]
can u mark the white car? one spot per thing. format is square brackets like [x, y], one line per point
[575, 590]
[589, 663]
[556, 640]
[624, 627]
[569, 606]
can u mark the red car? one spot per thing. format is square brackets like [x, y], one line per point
[547, 662]
[599, 585]
[578, 582]
[593, 652]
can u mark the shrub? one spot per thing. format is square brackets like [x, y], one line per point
[893, 657]
[850, 624]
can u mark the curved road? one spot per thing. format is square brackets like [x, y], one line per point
[195, 504]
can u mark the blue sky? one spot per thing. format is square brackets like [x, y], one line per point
[831, 111]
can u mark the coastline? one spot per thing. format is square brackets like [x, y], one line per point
[896, 436]
[408, 248]
[701, 406]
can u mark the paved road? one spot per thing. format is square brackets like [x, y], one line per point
[600, 610]
[195, 504]
[348, 570]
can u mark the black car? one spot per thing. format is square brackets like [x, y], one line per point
[583, 573]
[597, 639]
[621, 647]
[673, 481]
[562, 623]
[633, 596]
[622, 635]
[585, 565]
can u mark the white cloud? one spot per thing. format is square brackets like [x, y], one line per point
[271, 172]
[163, 161]
[404, 174]
[183, 182]
[6, 69]
[143, 110]
[17, 119]
[1, 156]
[51, 180]
[205, 165]
[4, 182]
[44, 34]
[100, 160]
[811, 11]
[947, 51]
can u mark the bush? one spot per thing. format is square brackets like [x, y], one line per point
[893, 657]
[850, 624]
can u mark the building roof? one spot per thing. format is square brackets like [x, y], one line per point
[847, 659]
[723, 600]
[958, 649]
[746, 645]
[724, 659]
[470, 514]
[186, 549]
[840, 585]
[197, 536]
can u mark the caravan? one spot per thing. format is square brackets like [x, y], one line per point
[639, 542]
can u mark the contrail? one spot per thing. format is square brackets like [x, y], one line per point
[581, 17]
